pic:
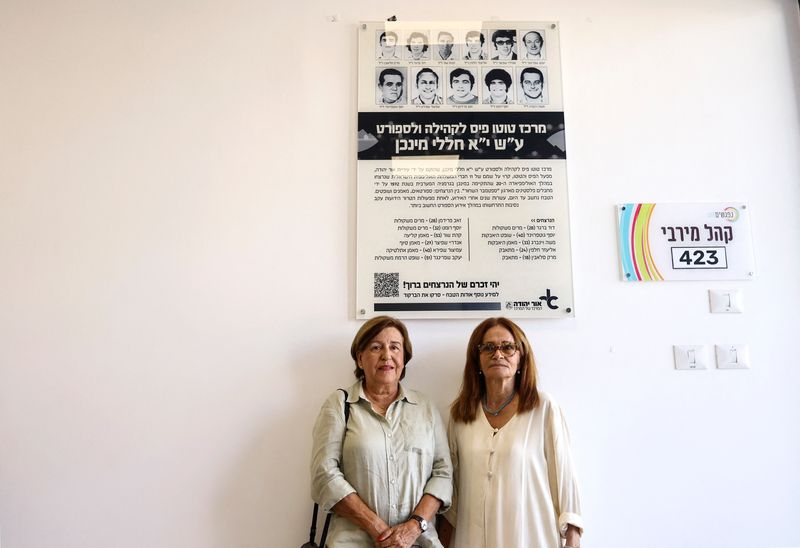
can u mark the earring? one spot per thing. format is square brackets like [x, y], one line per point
[518, 371]
[480, 372]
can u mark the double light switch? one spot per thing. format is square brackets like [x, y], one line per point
[728, 356]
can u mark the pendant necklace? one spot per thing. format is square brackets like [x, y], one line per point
[503, 406]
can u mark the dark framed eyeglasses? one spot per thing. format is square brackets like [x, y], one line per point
[507, 348]
[502, 41]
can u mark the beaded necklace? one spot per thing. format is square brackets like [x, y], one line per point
[503, 406]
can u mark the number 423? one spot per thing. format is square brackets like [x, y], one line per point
[698, 257]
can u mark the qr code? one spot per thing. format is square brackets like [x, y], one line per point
[387, 284]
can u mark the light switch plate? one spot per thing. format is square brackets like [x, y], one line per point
[733, 356]
[725, 301]
[691, 356]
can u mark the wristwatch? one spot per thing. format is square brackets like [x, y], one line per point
[423, 523]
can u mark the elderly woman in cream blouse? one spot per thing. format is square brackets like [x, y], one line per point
[514, 479]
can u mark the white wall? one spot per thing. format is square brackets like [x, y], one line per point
[177, 267]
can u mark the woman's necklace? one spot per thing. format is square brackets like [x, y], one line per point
[503, 406]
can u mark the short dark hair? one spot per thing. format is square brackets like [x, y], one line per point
[369, 331]
[504, 33]
[389, 72]
[498, 74]
[383, 35]
[428, 69]
[417, 34]
[460, 72]
[529, 70]
[473, 33]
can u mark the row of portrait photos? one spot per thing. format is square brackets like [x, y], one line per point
[460, 45]
[461, 85]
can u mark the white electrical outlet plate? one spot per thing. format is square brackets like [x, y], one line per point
[691, 356]
[725, 301]
[733, 356]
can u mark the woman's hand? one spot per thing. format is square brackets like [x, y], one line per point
[355, 510]
[573, 537]
[401, 535]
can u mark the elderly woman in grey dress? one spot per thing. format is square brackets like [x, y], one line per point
[385, 471]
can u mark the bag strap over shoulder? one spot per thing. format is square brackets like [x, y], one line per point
[313, 531]
[346, 406]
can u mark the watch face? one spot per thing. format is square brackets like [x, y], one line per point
[423, 524]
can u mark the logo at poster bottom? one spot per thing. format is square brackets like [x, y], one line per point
[548, 300]
[523, 305]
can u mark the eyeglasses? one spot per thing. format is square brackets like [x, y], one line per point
[502, 42]
[507, 348]
[532, 84]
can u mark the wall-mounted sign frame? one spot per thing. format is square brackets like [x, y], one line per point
[685, 241]
[462, 188]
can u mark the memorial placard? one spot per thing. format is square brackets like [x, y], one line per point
[462, 186]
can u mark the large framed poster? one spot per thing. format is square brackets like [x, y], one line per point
[462, 186]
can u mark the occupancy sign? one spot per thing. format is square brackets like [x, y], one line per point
[700, 241]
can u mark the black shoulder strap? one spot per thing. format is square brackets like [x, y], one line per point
[324, 536]
[346, 406]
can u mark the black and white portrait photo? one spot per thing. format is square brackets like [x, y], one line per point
[445, 48]
[391, 86]
[417, 48]
[504, 45]
[474, 44]
[498, 88]
[387, 47]
[462, 87]
[533, 44]
[532, 87]
[427, 87]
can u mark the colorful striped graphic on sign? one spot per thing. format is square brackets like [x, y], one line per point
[637, 259]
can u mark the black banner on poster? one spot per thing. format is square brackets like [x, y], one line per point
[469, 135]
